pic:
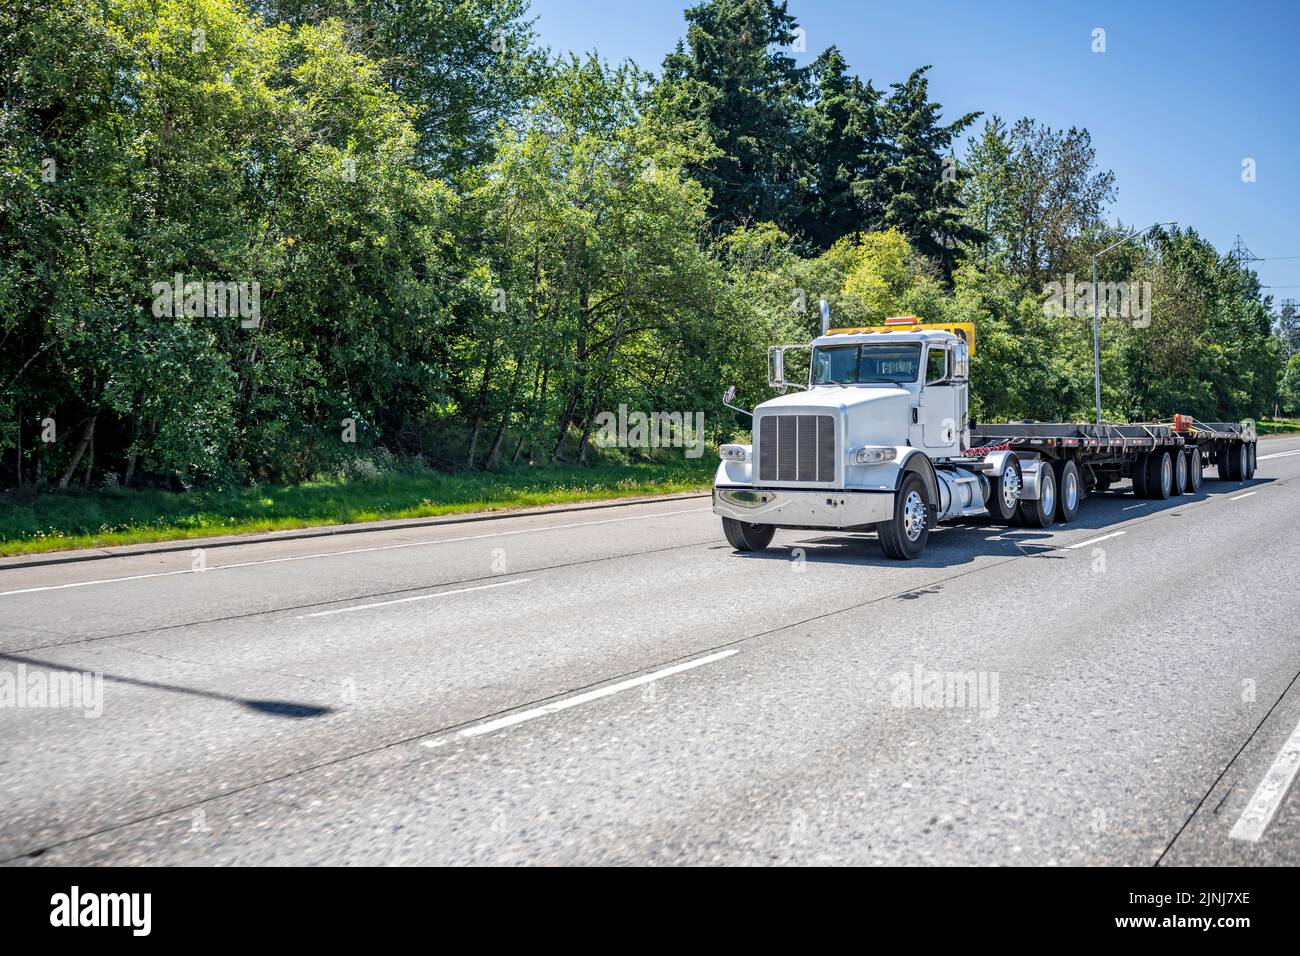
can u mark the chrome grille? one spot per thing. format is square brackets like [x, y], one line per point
[796, 448]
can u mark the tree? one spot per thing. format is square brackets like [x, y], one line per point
[920, 186]
[731, 77]
[844, 154]
[1034, 192]
[465, 66]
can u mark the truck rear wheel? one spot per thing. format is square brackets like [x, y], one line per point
[1178, 458]
[1241, 468]
[747, 537]
[1160, 475]
[903, 537]
[1004, 493]
[1069, 490]
[1250, 468]
[1224, 462]
[1040, 513]
[1195, 469]
[1140, 474]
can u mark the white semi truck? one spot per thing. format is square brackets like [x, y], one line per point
[879, 438]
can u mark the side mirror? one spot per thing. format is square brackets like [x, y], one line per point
[776, 367]
[728, 397]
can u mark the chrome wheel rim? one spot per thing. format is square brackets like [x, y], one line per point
[914, 516]
[1182, 471]
[1071, 491]
[1047, 497]
[1166, 474]
[1010, 487]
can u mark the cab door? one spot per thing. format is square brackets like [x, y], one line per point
[941, 418]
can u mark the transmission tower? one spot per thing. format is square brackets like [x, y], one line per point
[1241, 253]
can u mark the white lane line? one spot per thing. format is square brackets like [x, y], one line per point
[1140, 504]
[1239, 497]
[332, 554]
[1278, 454]
[1254, 820]
[1104, 537]
[511, 719]
[418, 597]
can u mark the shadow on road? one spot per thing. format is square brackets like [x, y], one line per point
[275, 708]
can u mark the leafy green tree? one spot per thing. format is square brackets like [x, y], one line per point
[732, 77]
[845, 152]
[465, 67]
[1289, 392]
[920, 186]
[1034, 192]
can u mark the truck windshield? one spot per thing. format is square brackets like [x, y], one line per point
[895, 364]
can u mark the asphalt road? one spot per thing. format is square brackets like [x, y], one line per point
[618, 686]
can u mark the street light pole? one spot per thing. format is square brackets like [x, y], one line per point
[1096, 337]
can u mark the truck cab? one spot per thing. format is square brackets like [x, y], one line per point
[878, 406]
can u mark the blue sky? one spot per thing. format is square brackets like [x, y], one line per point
[1184, 92]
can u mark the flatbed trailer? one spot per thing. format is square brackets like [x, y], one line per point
[1107, 453]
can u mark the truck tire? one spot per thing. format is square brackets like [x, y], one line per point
[1040, 513]
[903, 537]
[1224, 461]
[1178, 458]
[1254, 448]
[1004, 493]
[1140, 474]
[1069, 490]
[747, 537]
[1195, 469]
[1160, 475]
[1241, 468]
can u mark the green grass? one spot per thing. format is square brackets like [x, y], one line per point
[1283, 426]
[55, 521]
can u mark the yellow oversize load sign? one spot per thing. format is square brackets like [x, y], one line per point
[963, 330]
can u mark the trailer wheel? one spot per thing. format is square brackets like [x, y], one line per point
[1069, 490]
[1140, 474]
[1195, 469]
[903, 537]
[744, 536]
[1241, 468]
[1224, 461]
[1004, 493]
[1254, 448]
[1178, 458]
[1160, 475]
[1040, 513]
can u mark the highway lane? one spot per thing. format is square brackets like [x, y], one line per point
[311, 704]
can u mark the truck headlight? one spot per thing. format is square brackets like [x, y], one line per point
[873, 454]
[733, 452]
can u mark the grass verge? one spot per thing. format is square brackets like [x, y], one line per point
[58, 521]
[1284, 426]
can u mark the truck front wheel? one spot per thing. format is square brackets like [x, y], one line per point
[744, 536]
[903, 537]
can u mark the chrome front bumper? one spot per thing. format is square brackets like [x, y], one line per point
[788, 508]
